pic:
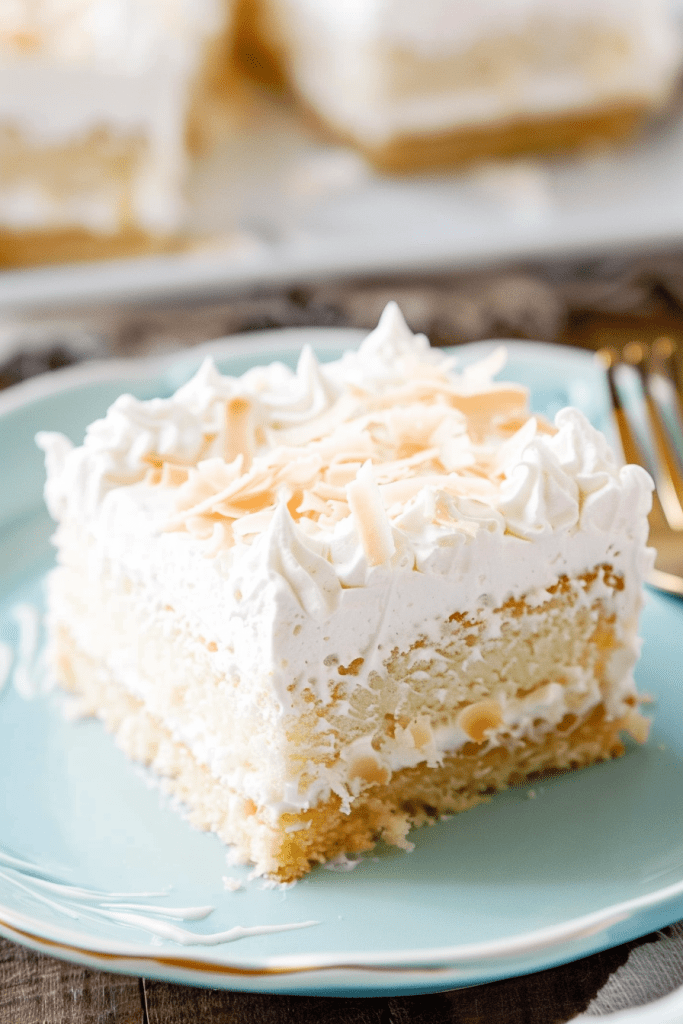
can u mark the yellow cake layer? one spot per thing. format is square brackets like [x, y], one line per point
[413, 797]
[537, 644]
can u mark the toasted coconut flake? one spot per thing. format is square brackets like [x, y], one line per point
[399, 469]
[366, 454]
[302, 434]
[311, 502]
[453, 483]
[256, 522]
[371, 520]
[398, 492]
[193, 492]
[477, 719]
[329, 493]
[339, 474]
[173, 476]
[336, 511]
[219, 473]
[637, 725]
[249, 483]
[245, 504]
[295, 468]
[201, 527]
[221, 537]
[239, 432]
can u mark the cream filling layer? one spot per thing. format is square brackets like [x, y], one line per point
[362, 761]
[266, 660]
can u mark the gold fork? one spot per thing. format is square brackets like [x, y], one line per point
[657, 371]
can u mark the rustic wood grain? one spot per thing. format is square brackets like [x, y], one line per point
[36, 989]
[548, 997]
[172, 1004]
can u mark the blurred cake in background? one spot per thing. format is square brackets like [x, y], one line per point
[101, 102]
[418, 85]
[104, 103]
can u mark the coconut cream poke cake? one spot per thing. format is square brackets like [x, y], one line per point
[331, 604]
[416, 85]
[101, 102]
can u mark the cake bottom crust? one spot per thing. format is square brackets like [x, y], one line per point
[76, 245]
[287, 850]
[518, 136]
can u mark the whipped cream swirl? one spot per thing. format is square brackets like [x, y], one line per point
[387, 460]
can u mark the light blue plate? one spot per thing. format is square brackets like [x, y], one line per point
[533, 879]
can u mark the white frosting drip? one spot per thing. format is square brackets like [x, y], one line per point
[188, 938]
[113, 906]
[307, 589]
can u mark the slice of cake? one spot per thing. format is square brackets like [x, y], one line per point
[332, 604]
[417, 85]
[100, 101]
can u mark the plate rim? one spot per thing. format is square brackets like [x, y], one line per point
[473, 954]
[433, 960]
[242, 345]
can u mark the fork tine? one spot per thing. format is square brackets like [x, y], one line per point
[667, 574]
[668, 477]
[609, 360]
[664, 352]
[663, 363]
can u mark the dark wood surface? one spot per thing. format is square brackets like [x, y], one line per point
[37, 989]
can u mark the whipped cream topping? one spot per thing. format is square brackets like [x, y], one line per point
[333, 515]
[383, 462]
[120, 33]
[308, 441]
[438, 24]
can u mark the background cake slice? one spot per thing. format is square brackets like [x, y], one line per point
[445, 81]
[332, 604]
[100, 102]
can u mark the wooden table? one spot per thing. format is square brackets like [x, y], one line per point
[36, 989]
